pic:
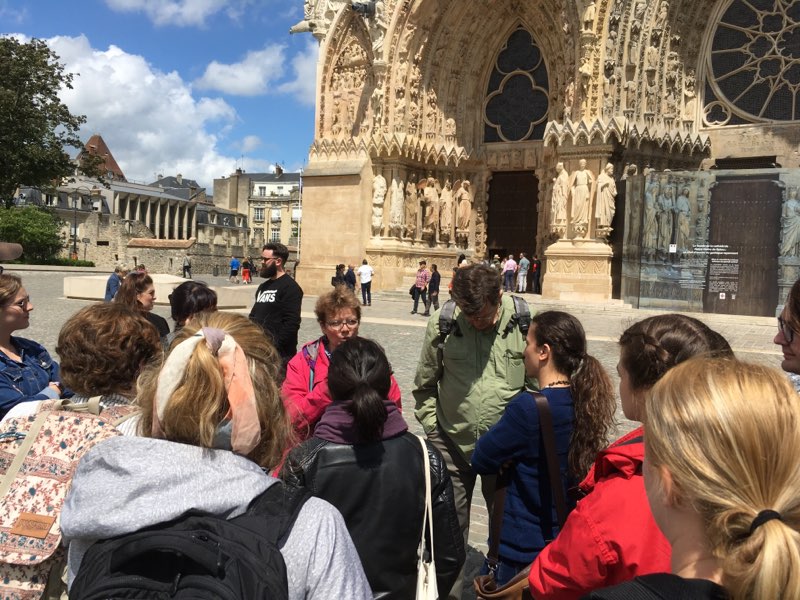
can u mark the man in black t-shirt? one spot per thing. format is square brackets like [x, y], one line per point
[278, 301]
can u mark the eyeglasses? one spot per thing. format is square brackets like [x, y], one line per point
[337, 325]
[263, 259]
[786, 330]
[23, 304]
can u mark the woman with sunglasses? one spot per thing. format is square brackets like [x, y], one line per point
[27, 372]
[305, 389]
[788, 338]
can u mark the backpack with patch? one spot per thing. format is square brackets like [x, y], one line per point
[38, 457]
[198, 555]
[448, 324]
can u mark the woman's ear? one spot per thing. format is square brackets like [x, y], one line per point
[544, 351]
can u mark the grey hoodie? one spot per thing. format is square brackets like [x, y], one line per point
[127, 483]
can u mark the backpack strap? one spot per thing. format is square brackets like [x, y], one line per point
[447, 322]
[22, 453]
[551, 455]
[521, 317]
[282, 504]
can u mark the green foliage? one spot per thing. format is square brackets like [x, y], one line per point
[35, 126]
[37, 229]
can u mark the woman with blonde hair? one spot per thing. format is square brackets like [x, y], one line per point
[212, 424]
[723, 481]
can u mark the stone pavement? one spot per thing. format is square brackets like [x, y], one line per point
[388, 321]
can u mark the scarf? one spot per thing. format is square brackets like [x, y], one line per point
[337, 425]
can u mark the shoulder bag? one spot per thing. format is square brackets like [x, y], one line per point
[426, 576]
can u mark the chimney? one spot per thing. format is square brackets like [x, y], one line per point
[179, 177]
[278, 170]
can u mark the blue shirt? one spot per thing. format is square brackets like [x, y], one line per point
[529, 517]
[29, 379]
[235, 264]
[112, 285]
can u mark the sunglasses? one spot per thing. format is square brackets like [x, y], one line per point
[786, 330]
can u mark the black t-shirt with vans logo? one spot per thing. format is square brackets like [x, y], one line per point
[277, 311]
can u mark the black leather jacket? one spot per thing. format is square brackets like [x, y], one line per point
[379, 489]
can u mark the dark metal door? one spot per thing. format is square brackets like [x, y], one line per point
[513, 218]
[745, 227]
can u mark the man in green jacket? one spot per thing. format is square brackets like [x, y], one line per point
[462, 389]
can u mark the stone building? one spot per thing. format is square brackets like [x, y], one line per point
[562, 115]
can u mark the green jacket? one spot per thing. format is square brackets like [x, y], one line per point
[480, 372]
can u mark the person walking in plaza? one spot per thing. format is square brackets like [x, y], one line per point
[582, 404]
[247, 269]
[27, 372]
[509, 269]
[210, 453]
[522, 272]
[278, 302]
[305, 389]
[611, 536]
[114, 281]
[187, 267]
[536, 271]
[350, 278]
[420, 288]
[464, 381]
[788, 337]
[365, 274]
[235, 264]
[363, 460]
[433, 291]
[722, 483]
[139, 293]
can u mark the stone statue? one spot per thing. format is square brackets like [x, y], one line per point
[665, 204]
[446, 210]
[606, 196]
[589, 14]
[790, 243]
[396, 208]
[378, 197]
[558, 200]
[683, 213]
[464, 199]
[430, 198]
[410, 208]
[650, 227]
[581, 183]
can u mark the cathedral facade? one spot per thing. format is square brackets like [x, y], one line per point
[598, 134]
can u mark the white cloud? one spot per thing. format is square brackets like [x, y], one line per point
[190, 13]
[149, 119]
[250, 143]
[9, 14]
[304, 66]
[250, 77]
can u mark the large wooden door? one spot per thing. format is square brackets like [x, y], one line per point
[513, 218]
[744, 235]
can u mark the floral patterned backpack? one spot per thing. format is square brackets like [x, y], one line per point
[38, 457]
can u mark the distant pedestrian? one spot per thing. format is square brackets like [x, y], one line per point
[114, 281]
[536, 271]
[433, 291]
[338, 279]
[247, 269]
[350, 278]
[365, 273]
[522, 272]
[187, 267]
[420, 288]
[235, 264]
[509, 268]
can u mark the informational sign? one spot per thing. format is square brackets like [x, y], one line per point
[723, 270]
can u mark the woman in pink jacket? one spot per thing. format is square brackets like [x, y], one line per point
[305, 389]
[611, 535]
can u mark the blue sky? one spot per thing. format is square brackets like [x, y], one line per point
[197, 87]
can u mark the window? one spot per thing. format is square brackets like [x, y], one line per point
[297, 214]
[275, 214]
[275, 234]
[258, 214]
[262, 190]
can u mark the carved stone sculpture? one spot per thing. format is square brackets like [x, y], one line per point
[581, 183]
[378, 197]
[650, 226]
[606, 196]
[396, 207]
[430, 198]
[790, 244]
[410, 208]
[558, 200]
[588, 17]
[683, 213]
[464, 199]
[666, 205]
[446, 209]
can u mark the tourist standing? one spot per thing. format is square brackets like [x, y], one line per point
[187, 267]
[350, 278]
[365, 274]
[235, 264]
[114, 281]
[464, 382]
[278, 301]
[247, 268]
[522, 272]
[509, 268]
[433, 291]
[536, 271]
[420, 286]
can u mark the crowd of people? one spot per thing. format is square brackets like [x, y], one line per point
[223, 417]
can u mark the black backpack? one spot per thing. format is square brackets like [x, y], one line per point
[197, 555]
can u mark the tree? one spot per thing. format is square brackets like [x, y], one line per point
[36, 228]
[35, 126]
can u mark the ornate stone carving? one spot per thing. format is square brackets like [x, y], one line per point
[581, 186]
[588, 17]
[378, 197]
[790, 224]
[410, 207]
[430, 199]
[558, 201]
[446, 211]
[606, 198]
[464, 199]
[396, 207]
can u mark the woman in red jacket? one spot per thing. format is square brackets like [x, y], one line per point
[305, 389]
[611, 536]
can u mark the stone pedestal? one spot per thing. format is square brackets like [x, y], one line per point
[577, 270]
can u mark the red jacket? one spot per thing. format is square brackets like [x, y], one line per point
[611, 535]
[306, 400]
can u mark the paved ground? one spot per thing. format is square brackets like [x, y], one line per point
[388, 321]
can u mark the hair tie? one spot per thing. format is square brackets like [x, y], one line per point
[763, 517]
[240, 429]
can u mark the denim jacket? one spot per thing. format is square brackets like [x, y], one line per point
[29, 379]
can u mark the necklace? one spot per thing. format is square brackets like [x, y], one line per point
[559, 382]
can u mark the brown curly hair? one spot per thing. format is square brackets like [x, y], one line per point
[134, 284]
[103, 347]
[340, 297]
[199, 403]
[592, 391]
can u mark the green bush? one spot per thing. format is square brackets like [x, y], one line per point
[36, 228]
